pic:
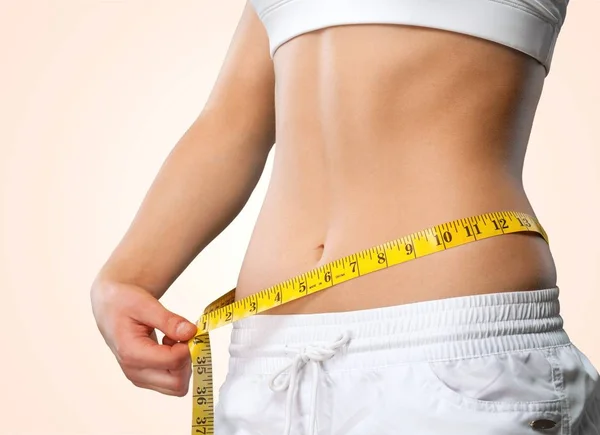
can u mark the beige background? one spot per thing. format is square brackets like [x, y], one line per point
[93, 94]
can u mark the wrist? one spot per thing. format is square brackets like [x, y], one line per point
[110, 281]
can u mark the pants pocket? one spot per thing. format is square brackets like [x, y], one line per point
[511, 381]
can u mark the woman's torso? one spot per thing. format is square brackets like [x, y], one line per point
[383, 130]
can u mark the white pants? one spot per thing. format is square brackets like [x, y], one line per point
[495, 364]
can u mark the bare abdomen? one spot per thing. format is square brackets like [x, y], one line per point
[374, 144]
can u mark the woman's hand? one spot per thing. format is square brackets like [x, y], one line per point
[127, 316]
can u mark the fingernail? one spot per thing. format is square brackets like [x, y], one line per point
[185, 328]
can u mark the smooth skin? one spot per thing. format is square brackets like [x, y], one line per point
[381, 130]
[203, 184]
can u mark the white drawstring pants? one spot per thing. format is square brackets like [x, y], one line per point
[494, 364]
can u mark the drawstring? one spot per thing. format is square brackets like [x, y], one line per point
[314, 354]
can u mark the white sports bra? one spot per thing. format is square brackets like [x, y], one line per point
[530, 26]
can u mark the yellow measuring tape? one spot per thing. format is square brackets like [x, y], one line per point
[225, 309]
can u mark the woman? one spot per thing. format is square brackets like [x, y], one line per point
[390, 117]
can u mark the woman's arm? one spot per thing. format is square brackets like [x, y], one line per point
[201, 187]
[211, 172]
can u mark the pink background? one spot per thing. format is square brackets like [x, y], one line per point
[93, 95]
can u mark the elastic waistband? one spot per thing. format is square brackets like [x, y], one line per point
[441, 329]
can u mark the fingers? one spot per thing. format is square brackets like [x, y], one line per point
[153, 314]
[168, 341]
[135, 339]
[144, 353]
[172, 383]
[162, 390]
[128, 317]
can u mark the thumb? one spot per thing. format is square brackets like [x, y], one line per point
[152, 313]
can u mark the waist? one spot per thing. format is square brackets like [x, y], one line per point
[296, 233]
[457, 327]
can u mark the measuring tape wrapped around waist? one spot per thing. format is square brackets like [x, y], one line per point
[225, 309]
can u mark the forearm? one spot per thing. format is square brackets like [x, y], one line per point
[202, 186]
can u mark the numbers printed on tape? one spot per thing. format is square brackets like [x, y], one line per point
[226, 309]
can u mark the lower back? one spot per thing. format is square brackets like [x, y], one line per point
[384, 130]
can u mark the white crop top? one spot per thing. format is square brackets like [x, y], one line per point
[530, 26]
